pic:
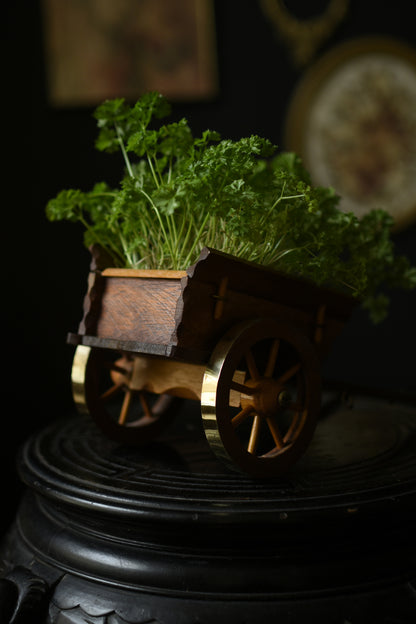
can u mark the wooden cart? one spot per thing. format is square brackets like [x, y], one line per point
[245, 341]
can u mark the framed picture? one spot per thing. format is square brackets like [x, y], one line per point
[102, 49]
[352, 119]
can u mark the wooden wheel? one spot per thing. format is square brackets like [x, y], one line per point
[261, 397]
[101, 386]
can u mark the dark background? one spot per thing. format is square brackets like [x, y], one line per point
[45, 149]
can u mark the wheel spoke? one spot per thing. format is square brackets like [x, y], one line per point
[145, 405]
[125, 407]
[246, 390]
[112, 391]
[242, 416]
[275, 431]
[115, 368]
[254, 435]
[252, 366]
[271, 362]
[289, 373]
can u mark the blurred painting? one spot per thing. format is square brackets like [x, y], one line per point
[101, 49]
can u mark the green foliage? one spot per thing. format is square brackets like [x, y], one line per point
[180, 193]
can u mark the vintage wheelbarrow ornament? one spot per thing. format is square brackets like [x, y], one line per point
[244, 340]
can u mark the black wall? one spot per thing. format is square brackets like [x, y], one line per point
[44, 149]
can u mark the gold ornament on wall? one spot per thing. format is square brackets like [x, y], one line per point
[304, 36]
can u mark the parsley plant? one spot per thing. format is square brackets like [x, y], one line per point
[179, 194]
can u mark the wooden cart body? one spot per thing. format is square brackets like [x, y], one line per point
[183, 314]
[172, 322]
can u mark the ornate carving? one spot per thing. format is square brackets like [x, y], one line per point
[28, 592]
[77, 615]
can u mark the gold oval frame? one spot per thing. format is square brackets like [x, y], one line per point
[315, 80]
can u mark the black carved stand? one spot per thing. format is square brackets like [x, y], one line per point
[108, 534]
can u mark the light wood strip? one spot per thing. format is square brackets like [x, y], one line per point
[146, 273]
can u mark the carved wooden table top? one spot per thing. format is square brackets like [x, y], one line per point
[166, 532]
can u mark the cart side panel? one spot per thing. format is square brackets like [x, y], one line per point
[126, 309]
[202, 321]
[221, 291]
[266, 283]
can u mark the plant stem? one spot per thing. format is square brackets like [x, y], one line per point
[196, 242]
[160, 221]
[149, 160]
[123, 151]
